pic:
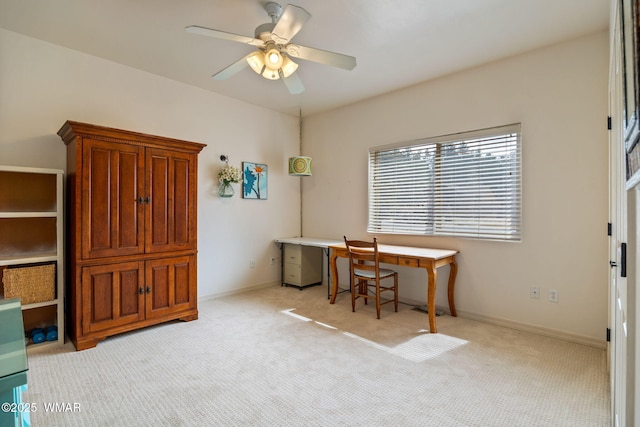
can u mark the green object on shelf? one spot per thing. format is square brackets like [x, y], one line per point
[13, 351]
[13, 360]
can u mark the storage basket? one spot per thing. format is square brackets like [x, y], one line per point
[30, 284]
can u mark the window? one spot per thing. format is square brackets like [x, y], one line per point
[462, 185]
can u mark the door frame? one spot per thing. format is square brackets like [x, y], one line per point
[622, 218]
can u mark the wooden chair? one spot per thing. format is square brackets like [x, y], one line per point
[365, 272]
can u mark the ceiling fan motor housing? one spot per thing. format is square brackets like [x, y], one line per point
[263, 32]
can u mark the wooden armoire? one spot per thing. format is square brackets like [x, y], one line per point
[132, 230]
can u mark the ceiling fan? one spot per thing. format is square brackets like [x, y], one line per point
[273, 41]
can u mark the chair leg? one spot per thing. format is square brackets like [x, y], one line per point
[364, 289]
[353, 295]
[395, 291]
[378, 298]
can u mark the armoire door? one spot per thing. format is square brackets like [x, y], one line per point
[170, 214]
[171, 285]
[113, 179]
[112, 295]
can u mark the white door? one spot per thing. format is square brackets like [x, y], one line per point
[618, 216]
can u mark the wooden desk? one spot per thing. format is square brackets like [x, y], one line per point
[429, 259]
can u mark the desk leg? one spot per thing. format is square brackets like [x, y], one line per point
[452, 282]
[326, 251]
[281, 264]
[334, 277]
[432, 274]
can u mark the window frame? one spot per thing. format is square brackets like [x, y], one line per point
[496, 178]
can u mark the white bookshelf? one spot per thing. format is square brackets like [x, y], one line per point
[31, 233]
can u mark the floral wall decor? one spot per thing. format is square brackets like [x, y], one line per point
[254, 185]
[228, 175]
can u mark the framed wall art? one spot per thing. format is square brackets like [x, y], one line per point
[254, 184]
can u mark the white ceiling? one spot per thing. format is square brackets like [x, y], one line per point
[397, 43]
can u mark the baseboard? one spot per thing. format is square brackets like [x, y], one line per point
[534, 329]
[238, 291]
[520, 326]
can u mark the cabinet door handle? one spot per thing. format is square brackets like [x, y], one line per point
[148, 289]
[141, 291]
[147, 200]
[141, 200]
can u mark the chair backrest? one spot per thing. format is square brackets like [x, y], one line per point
[363, 255]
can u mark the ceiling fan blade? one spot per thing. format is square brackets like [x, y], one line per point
[203, 31]
[290, 22]
[294, 84]
[237, 66]
[339, 60]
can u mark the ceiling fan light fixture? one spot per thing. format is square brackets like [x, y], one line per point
[256, 61]
[288, 66]
[273, 59]
[270, 74]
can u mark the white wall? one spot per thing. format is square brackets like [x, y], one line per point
[42, 85]
[559, 94]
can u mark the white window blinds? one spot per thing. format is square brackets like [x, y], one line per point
[463, 185]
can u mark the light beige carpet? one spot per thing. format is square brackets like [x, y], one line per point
[283, 357]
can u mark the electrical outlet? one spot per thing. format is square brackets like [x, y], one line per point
[534, 292]
[252, 263]
[553, 295]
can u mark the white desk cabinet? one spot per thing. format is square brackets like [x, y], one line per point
[302, 259]
[302, 265]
